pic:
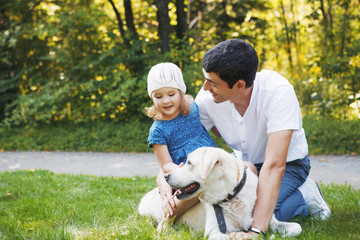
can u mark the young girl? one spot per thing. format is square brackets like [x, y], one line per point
[176, 131]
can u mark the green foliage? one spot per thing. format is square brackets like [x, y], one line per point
[333, 83]
[98, 136]
[43, 205]
[66, 61]
[326, 136]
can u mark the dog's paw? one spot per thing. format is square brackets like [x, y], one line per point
[219, 236]
[241, 235]
[163, 225]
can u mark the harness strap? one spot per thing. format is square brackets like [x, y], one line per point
[220, 218]
[218, 210]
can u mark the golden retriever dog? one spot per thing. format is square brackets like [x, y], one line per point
[227, 192]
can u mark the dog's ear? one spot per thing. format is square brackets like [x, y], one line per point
[208, 162]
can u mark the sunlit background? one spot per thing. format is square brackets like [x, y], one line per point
[82, 61]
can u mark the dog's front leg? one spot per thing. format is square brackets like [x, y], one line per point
[211, 225]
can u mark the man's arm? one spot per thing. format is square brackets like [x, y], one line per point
[270, 178]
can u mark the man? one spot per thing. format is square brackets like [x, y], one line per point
[258, 115]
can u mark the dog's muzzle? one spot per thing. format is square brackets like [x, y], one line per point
[185, 192]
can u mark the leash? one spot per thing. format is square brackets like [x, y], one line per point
[218, 210]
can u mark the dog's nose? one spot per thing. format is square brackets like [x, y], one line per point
[166, 176]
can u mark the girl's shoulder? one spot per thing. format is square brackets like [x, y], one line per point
[156, 126]
[194, 107]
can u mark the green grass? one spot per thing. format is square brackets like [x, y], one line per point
[329, 136]
[44, 205]
[324, 137]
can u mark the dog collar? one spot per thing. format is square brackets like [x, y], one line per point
[218, 210]
[238, 187]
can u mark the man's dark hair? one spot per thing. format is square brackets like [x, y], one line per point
[232, 60]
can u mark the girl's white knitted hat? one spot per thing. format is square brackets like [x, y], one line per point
[165, 75]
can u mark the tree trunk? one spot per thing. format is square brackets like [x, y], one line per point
[181, 19]
[288, 40]
[29, 12]
[327, 24]
[120, 24]
[222, 21]
[181, 26]
[294, 29]
[129, 17]
[194, 13]
[164, 24]
[346, 27]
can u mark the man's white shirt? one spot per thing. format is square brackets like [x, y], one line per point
[273, 107]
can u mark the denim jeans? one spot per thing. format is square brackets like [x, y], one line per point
[290, 201]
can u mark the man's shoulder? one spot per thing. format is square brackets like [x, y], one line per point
[271, 80]
[270, 75]
[204, 99]
[202, 95]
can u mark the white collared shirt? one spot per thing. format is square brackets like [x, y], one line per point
[273, 107]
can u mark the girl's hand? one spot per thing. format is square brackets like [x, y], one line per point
[166, 193]
[168, 198]
[168, 201]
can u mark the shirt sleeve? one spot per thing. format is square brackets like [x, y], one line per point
[156, 136]
[283, 111]
[204, 116]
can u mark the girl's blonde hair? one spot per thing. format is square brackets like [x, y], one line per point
[185, 107]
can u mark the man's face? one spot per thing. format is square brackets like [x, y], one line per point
[218, 88]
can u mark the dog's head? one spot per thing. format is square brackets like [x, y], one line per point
[209, 173]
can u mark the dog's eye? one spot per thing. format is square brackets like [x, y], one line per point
[188, 162]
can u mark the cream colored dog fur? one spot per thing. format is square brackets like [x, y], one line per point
[211, 174]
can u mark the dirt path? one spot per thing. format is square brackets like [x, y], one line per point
[326, 169]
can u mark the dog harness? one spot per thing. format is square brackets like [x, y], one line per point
[218, 210]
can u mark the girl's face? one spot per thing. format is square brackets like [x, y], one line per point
[167, 101]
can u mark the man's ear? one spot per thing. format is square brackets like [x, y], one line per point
[240, 84]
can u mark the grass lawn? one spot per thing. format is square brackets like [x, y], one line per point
[43, 205]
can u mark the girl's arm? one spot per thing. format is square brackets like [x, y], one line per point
[164, 158]
[166, 192]
[166, 164]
